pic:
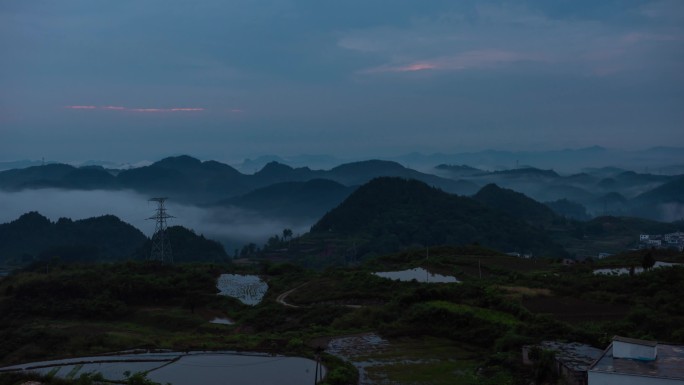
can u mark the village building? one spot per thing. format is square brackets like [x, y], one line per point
[629, 361]
[571, 359]
[662, 241]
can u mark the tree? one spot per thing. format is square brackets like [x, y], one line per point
[648, 262]
[287, 234]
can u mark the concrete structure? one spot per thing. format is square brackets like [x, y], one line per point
[572, 359]
[667, 241]
[634, 349]
[629, 361]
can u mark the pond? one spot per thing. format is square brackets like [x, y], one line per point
[176, 368]
[249, 289]
[222, 321]
[419, 274]
[637, 270]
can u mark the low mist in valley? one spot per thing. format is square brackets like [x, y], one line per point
[231, 226]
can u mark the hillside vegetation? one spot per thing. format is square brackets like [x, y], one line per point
[501, 303]
[388, 214]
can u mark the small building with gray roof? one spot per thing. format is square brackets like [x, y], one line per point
[629, 361]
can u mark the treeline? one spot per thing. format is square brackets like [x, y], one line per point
[105, 291]
[34, 238]
[389, 214]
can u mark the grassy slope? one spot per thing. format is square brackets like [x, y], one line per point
[490, 316]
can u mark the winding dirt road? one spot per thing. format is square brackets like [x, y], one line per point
[281, 298]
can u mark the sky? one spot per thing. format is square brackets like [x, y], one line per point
[132, 80]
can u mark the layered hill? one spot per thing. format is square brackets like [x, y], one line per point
[57, 176]
[665, 202]
[192, 181]
[33, 235]
[516, 205]
[106, 238]
[297, 200]
[388, 214]
[187, 246]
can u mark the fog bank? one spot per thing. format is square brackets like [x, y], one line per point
[231, 226]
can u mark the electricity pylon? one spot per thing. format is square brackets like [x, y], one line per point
[161, 246]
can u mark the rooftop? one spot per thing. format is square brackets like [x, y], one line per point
[668, 364]
[573, 355]
[635, 341]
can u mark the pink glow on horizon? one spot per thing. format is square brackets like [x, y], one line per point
[237, 110]
[120, 108]
[148, 110]
[480, 59]
[81, 107]
[416, 67]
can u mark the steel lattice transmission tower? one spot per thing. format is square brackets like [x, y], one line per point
[161, 246]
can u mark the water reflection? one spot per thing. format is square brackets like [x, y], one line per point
[249, 289]
[221, 321]
[176, 368]
[419, 274]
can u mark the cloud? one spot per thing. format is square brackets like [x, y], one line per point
[466, 60]
[233, 227]
[496, 35]
[119, 108]
[641, 37]
[322, 74]
[81, 107]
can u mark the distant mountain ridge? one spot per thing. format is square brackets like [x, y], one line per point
[516, 205]
[564, 160]
[191, 181]
[298, 200]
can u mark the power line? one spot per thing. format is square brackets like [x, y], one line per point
[161, 245]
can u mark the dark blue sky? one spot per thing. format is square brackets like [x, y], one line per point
[131, 79]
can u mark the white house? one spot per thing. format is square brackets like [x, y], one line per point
[629, 361]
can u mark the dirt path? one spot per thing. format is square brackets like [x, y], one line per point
[281, 298]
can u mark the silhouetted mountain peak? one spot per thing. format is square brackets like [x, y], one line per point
[32, 218]
[274, 169]
[370, 165]
[672, 191]
[515, 204]
[493, 188]
[212, 165]
[392, 213]
[529, 171]
[457, 167]
[181, 161]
